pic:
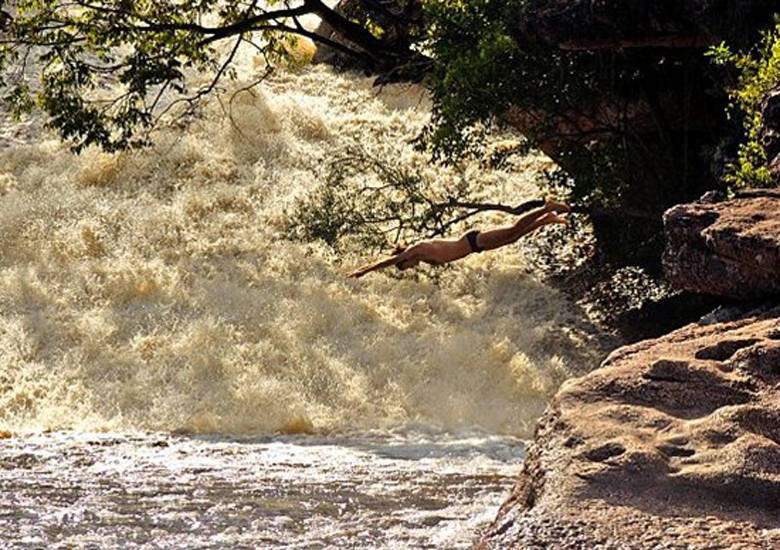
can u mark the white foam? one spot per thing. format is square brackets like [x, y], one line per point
[155, 290]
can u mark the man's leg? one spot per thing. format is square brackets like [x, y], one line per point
[521, 226]
[503, 236]
[496, 238]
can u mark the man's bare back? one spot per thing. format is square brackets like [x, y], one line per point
[442, 251]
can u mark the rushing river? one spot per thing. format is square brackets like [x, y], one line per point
[176, 372]
[376, 489]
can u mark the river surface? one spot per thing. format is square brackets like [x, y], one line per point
[176, 372]
[377, 489]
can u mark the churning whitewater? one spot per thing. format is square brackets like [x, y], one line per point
[163, 340]
[156, 290]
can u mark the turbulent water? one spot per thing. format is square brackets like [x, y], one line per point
[378, 489]
[153, 297]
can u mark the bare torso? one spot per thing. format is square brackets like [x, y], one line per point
[436, 252]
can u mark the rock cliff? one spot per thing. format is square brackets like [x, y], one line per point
[613, 24]
[653, 106]
[673, 442]
[728, 248]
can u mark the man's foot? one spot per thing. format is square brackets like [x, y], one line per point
[554, 206]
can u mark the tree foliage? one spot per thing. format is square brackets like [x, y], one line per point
[482, 72]
[63, 56]
[368, 200]
[758, 73]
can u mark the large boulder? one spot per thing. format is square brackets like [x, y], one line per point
[672, 443]
[729, 248]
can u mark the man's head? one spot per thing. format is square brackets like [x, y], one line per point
[400, 248]
[407, 264]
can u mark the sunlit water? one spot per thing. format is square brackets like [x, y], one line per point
[155, 293]
[376, 489]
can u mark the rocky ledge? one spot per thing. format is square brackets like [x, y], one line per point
[672, 443]
[727, 248]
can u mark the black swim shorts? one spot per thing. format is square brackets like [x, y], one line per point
[472, 238]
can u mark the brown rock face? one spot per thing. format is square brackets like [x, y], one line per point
[594, 24]
[672, 443]
[729, 248]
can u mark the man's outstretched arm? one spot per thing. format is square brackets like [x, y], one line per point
[381, 264]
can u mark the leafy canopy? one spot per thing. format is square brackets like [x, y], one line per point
[65, 56]
[365, 199]
[758, 74]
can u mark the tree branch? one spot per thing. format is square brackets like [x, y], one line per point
[486, 207]
[354, 32]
